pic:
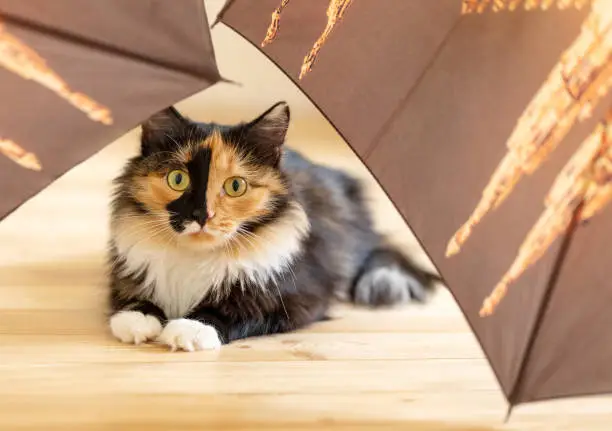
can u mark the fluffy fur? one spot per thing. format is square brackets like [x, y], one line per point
[205, 265]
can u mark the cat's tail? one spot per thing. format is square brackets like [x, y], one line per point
[387, 278]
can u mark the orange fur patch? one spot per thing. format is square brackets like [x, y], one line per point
[231, 211]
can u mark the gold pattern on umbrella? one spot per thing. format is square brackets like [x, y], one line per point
[273, 29]
[23, 61]
[582, 189]
[337, 8]
[576, 84]
[480, 6]
[20, 156]
[580, 79]
[335, 12]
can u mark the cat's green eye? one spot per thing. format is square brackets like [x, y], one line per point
[178, 180]
[235, 186]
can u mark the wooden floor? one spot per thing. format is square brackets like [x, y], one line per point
[416, 368]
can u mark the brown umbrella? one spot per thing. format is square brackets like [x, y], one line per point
[428, 94]
[76, 75]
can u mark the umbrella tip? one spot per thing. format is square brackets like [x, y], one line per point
[508, 413]
[230, 81]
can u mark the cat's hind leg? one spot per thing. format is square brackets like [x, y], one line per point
[388, 278]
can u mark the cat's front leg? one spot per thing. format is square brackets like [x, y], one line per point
[190, 335]
[206, 327]
[137, 322]
[202, 329]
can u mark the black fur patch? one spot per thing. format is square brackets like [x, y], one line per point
[191, 206]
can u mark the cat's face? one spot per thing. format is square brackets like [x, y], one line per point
[201, 185]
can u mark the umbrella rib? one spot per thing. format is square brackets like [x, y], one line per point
[550, 287]
[385, 126]
[79, 40]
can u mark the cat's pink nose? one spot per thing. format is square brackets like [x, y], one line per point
[211, 213]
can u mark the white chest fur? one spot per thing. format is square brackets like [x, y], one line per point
[178, 279]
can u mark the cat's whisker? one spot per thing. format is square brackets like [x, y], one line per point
[238, 242]
[171, 153]
[151, 215]
[243, 231]
[293, 276]
[280, 296]
[143, 227]
[190, 137]
[245, 235]
[174, 141]
[226, 247]
[152, 218]
[155, 233]
[170, 238]
[151, 234]
[140, 234]
[140, 220]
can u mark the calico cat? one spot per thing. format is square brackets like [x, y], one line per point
[221, 232]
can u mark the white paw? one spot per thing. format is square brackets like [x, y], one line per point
[189, 335]
[135, 327]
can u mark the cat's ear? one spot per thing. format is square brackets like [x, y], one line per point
[158, 129]
[268, 131]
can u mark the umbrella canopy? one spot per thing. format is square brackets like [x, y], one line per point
[428, 94]
[75, 75]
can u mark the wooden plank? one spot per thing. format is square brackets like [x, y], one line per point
[299, 346]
